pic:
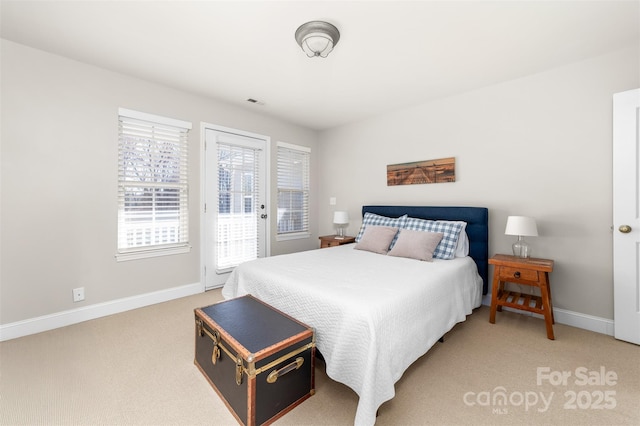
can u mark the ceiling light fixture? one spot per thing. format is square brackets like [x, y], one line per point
[317, 38]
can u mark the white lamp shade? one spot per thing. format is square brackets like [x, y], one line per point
[522, 226]
[340, 218]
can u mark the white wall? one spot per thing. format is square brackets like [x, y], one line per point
[59, 182]
[539, 146]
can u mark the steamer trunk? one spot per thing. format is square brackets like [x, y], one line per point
[259, 360]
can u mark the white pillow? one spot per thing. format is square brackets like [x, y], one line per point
[462, 249]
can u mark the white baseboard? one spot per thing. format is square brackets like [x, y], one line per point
[73, 316]
[574, 319]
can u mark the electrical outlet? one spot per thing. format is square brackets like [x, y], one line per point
[78, 294]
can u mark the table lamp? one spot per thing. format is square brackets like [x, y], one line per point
[340, 220]
[521, 226]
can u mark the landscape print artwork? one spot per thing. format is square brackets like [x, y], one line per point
[419, 172]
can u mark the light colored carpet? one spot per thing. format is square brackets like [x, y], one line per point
[136, 368]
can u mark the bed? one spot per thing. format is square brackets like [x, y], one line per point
[374, 314]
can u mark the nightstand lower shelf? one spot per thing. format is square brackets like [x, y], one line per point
[516, 300]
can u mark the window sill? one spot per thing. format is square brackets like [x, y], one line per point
[293, 236]
[147, 253]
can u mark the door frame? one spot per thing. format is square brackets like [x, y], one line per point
[204, 126]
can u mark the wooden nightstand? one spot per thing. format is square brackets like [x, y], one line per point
[529, 271]
[331, 241]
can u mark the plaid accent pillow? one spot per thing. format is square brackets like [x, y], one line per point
[451, 229]
[377, 220]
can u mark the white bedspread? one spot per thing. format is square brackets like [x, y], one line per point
[374, 315]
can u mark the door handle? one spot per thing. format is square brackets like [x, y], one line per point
[263, 216]
[625, 229]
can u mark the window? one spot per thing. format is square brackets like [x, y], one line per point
[293, 191]
[152, 186]
[238, 192]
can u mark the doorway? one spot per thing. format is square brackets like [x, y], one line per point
[235, 196]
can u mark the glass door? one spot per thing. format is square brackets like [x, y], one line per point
[235, 205]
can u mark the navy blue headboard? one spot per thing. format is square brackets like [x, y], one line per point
[477, 219]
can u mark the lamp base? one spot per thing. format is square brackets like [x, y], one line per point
[521, 248]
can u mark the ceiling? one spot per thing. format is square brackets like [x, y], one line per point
[391, 54]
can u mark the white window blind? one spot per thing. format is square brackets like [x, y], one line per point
[293, 191]
[238, 211]
[153, 216]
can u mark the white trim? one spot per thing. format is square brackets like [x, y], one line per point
[293, 236]
[154, 118]
[215, 127]
[573, 319]
[154, 252]
[201, 207]
[293, 146]
[584, 321]
[203, 195]
[73, 316]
